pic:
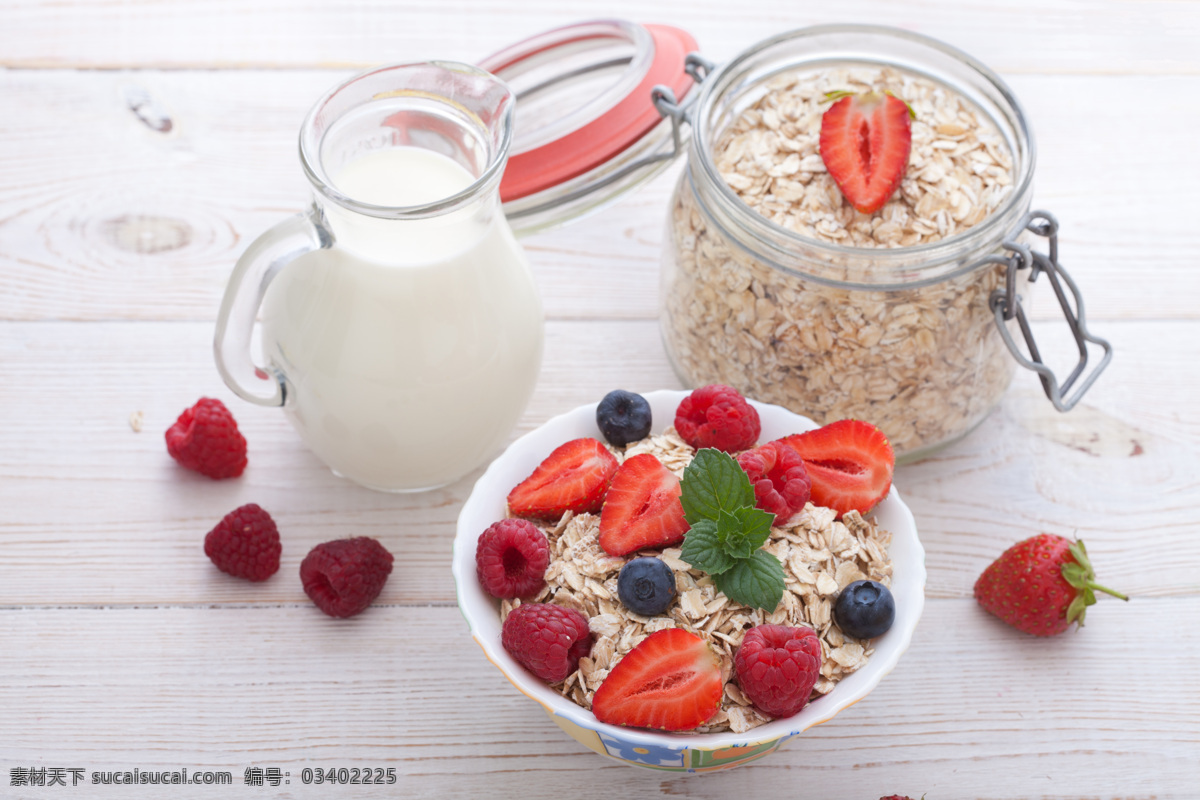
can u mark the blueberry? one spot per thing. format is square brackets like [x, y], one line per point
[864, 610]
[646, 586]
[623, 417]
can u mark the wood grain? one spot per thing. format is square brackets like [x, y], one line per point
[1101, 37]
[384, 689]
[105, 216]
[74, 474]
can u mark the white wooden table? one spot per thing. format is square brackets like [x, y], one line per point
[143, 145]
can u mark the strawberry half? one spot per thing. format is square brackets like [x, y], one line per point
[642, 508]
[865, 142]
[572, 478]
[671, 681]
[850, 463]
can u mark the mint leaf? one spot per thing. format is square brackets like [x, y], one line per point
[732, 537]
[756, 581]
[756, 523]
[702, 549]
[743, 531]
[714, 481]
[727, 531]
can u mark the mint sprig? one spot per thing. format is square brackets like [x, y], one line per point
[727, 531]
[756, 581]
[702, 548]
[711, 482]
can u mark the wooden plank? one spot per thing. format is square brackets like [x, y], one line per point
[1100, 36]
[225, 689]
[85, 496]
[103, 216]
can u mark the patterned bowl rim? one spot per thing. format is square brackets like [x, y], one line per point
[486, 504]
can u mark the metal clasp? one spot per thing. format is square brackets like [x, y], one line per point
[1006, 305]
[668, 107]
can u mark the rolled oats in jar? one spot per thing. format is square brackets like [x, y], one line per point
[773, 283]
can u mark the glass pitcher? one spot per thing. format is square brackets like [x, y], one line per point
[401, 328]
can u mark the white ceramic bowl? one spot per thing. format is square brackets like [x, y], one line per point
[655, 749]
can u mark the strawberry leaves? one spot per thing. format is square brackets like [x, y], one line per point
[727, 531]
[1080, 575]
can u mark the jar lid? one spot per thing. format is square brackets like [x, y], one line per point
[587, 125]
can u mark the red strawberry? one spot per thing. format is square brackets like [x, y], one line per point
[850, 463]
[642, 508]
[671, 681]
[1040, 585]
[572, 478]
[865, 141]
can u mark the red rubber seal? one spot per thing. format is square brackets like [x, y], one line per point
[603, 138]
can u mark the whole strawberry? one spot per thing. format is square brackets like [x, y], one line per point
[245, 544]
[1041, 585]
[206, 439]
[345, 576]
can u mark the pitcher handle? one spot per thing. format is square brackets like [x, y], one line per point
[262, 261]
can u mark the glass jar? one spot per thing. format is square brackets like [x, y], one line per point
[903, 337]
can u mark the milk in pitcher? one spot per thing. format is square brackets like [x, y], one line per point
[410, 346]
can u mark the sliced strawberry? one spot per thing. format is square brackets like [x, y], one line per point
[671, 681]
[865, 141]
[642, 508]
[850, 463]
[572, 478]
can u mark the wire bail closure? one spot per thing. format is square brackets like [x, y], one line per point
[1006, 305]
[699, 68]
[668, 106]
[664, 100]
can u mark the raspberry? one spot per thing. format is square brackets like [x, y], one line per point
[717, 416]
[777, 667]
[205, 439]
[511, 558]
[245, 544]
[781, 483]
[547, 639]
[345, 576]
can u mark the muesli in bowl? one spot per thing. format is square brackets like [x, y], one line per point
[818, 556]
